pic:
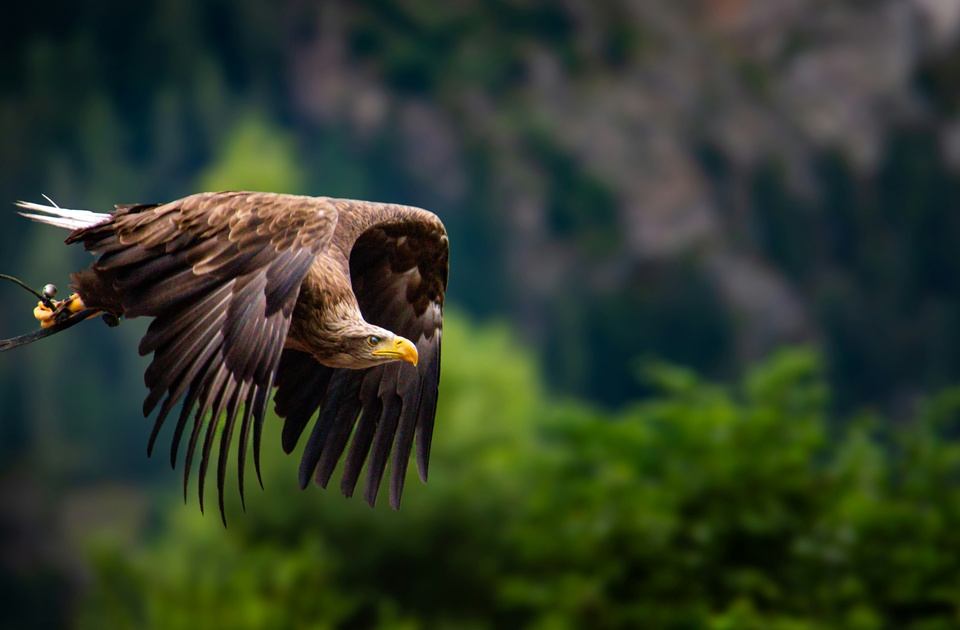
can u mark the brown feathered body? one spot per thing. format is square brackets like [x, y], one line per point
[251, 291]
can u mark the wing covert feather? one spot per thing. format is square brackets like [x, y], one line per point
[220, 274]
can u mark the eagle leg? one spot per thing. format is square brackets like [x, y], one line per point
[49, 311]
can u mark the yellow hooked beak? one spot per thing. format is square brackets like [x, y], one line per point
[399, 349]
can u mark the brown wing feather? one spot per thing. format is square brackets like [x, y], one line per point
[220, 274]
[398, 267]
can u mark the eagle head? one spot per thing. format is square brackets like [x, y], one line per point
[369, 345]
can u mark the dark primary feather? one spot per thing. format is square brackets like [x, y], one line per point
[306, 385]
[398, 259]
[220, 273]
[340, 434]
[366, 426]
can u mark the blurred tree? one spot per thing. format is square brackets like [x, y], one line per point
[255, 156]
[568, 170]
[705, 506]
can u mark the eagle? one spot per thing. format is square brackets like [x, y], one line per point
[335, 303]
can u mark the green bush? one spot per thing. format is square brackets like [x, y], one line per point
[708, 506]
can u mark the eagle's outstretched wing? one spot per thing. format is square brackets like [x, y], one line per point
[220, 273]
[398, 261]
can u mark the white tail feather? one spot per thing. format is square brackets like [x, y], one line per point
[62, 217]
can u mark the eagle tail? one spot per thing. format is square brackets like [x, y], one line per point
[62, 217]
[56, 316]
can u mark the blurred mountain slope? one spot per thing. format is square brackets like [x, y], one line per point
[701, 181]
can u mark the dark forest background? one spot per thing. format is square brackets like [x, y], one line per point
[704, 306]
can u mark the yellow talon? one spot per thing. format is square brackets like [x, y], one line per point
[48, 317]
[44, 314]
[74, 304]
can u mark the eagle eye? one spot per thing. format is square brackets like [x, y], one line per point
[373, 340]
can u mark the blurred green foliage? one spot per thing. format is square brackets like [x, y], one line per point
[255, 156]
[707, 506]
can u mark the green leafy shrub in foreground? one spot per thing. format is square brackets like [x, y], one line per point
[706, 507]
